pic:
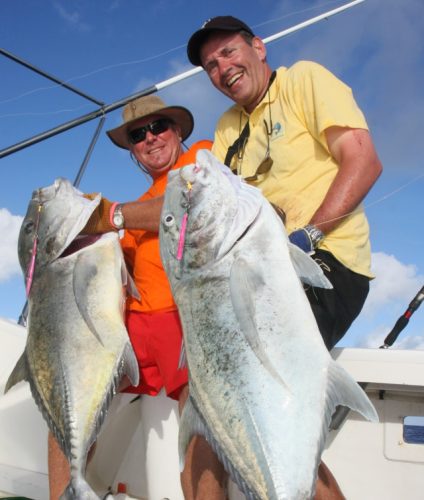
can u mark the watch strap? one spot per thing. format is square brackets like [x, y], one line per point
[112, 212]
[315, 234]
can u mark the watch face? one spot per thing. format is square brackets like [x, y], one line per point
[118, 218]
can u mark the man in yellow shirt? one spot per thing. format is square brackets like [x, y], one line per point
[298, 135]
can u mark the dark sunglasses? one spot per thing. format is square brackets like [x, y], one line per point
[156, 128]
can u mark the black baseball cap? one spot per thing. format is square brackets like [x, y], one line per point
[219, 23]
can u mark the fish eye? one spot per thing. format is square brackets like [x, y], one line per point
[169, 220]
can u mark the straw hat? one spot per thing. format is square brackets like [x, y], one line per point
[144, 107]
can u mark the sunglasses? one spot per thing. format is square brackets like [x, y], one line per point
[157, 127]
[266, 163]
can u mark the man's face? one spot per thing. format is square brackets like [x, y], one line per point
[237, 69]
[157, 153]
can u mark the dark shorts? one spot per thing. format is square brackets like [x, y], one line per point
[156, 339]
[335, 309]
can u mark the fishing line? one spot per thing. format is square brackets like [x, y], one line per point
[378, 201]
[47, 113]
[295, 13]
[99, 70]
[147, 59]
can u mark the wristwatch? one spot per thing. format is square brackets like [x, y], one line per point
[315, 234]
[118, 217]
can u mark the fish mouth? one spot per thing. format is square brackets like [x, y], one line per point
[82, 241]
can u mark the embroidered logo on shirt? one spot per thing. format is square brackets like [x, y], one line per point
[277, 131]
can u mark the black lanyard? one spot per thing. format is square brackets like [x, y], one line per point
[242, 139]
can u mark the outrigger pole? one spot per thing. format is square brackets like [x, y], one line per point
[49, 77]
[104, 109]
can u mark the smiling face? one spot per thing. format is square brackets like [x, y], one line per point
[157, 153]
[236, 68]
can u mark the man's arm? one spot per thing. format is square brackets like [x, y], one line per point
[359, 168]
[137, 215]
[143, 214]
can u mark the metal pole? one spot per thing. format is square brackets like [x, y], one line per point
[24, 314]
[88, 153]
[74, 123]
[159, 86]
[313, 20]
[49, 77]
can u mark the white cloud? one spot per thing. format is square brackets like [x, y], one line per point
[378, 336]
[73, 18]
[9, 231]
[411, 342]
[375, 338]
[395, 283]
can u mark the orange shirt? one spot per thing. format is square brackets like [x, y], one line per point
[141, 250]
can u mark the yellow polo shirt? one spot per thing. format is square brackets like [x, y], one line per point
[303, 101]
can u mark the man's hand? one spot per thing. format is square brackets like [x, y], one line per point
[306, 238]
[99, 221]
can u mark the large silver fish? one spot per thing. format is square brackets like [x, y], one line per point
[77, 347]
[263, 387]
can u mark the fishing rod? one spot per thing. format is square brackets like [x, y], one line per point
[103, 110]
[403, 320]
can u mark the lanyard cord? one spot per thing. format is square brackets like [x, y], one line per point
[241, 141]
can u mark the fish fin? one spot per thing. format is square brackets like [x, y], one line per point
[128, 281]
[192, 423]
[79, 488]
[85, 270]
[345, 391]
[244, 284]
[182, 361]
[131, 365]
[19, 373]
[307, 269]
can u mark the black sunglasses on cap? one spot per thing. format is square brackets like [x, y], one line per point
[156, 127]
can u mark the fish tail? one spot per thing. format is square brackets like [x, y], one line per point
[345, 391]
[79, 488]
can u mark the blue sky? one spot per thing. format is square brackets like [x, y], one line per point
[111, 49]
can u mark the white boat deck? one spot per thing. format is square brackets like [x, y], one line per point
[138, 442]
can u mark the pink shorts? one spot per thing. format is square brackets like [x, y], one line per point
[156, 339]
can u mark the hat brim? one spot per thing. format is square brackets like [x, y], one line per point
[178, 114]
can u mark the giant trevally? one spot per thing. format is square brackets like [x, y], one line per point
[263, 386]
[77, 348]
